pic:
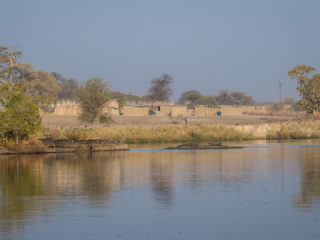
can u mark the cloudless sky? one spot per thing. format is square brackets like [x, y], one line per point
[206, 45]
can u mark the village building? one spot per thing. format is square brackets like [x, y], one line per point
[71, 108]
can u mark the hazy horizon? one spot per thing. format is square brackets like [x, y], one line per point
[208, 46]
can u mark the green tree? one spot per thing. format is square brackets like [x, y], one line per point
[116, 95]
[240, 98]
[206, 100]
[190, 97]
[22, 91]
[92, 96]
[19, 116]
[40, 85]
[234, 98]
[308, 88]
[121, 102]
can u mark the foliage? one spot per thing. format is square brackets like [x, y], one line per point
[41, 86]
[224, 98]
[105, 118]
[308, 88]
[75, 134]
[67, 86]
[9, 71]
[160, 89]
[206, 100]
[126, 97]
[195, 138]
[190, 97]
[92, 96]
[289, 101]
[276, 107]
[121, 102]
[297, 106]
[22, 91]
[19, 116]
[234, 98]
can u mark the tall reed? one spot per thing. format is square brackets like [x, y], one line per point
[157, 134]
[306, 129]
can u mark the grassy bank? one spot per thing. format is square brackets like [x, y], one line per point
[153, 134]
[132, 134]
[307, 129]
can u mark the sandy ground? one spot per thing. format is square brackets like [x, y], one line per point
[71, 121]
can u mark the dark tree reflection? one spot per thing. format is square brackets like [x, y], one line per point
[310, 180]
[162, 180]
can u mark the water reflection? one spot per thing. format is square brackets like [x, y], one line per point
[162, 179]
[35, 185]
[21, 183]
[309, 193]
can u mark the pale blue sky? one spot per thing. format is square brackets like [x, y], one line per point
[246, 45]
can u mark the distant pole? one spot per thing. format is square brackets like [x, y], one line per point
[280, 86]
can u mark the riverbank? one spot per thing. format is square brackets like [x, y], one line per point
[116, 138]
[60, 146]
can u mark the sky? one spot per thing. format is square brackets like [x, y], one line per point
[205, 45]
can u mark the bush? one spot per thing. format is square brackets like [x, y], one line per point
[19, 117]
[92, 96]
[105, 118]
[75, 134]
[276, 107]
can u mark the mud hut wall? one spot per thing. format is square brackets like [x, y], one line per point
[113, 103]
[149, 103]
[66, 108]
[201, 111]
[179, 110]
[190, 112]
[174, 111]
[72, 108]
[112, 107]
[164, 110]
[135, 111]
[111, 110]
[234, 110]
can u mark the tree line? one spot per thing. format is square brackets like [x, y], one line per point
[224, 97]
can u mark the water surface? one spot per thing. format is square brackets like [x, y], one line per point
[263, 191]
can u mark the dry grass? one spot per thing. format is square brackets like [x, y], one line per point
[154, 134]
[71, 121]
[295, 130]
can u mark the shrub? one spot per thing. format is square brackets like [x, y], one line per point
[19, 117]
[92, 96]
[75, 134]
[105, 118]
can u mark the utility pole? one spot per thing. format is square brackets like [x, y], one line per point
[280, 86]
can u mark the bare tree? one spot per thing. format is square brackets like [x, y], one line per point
[160, 89]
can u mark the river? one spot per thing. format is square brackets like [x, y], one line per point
[267, 190]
